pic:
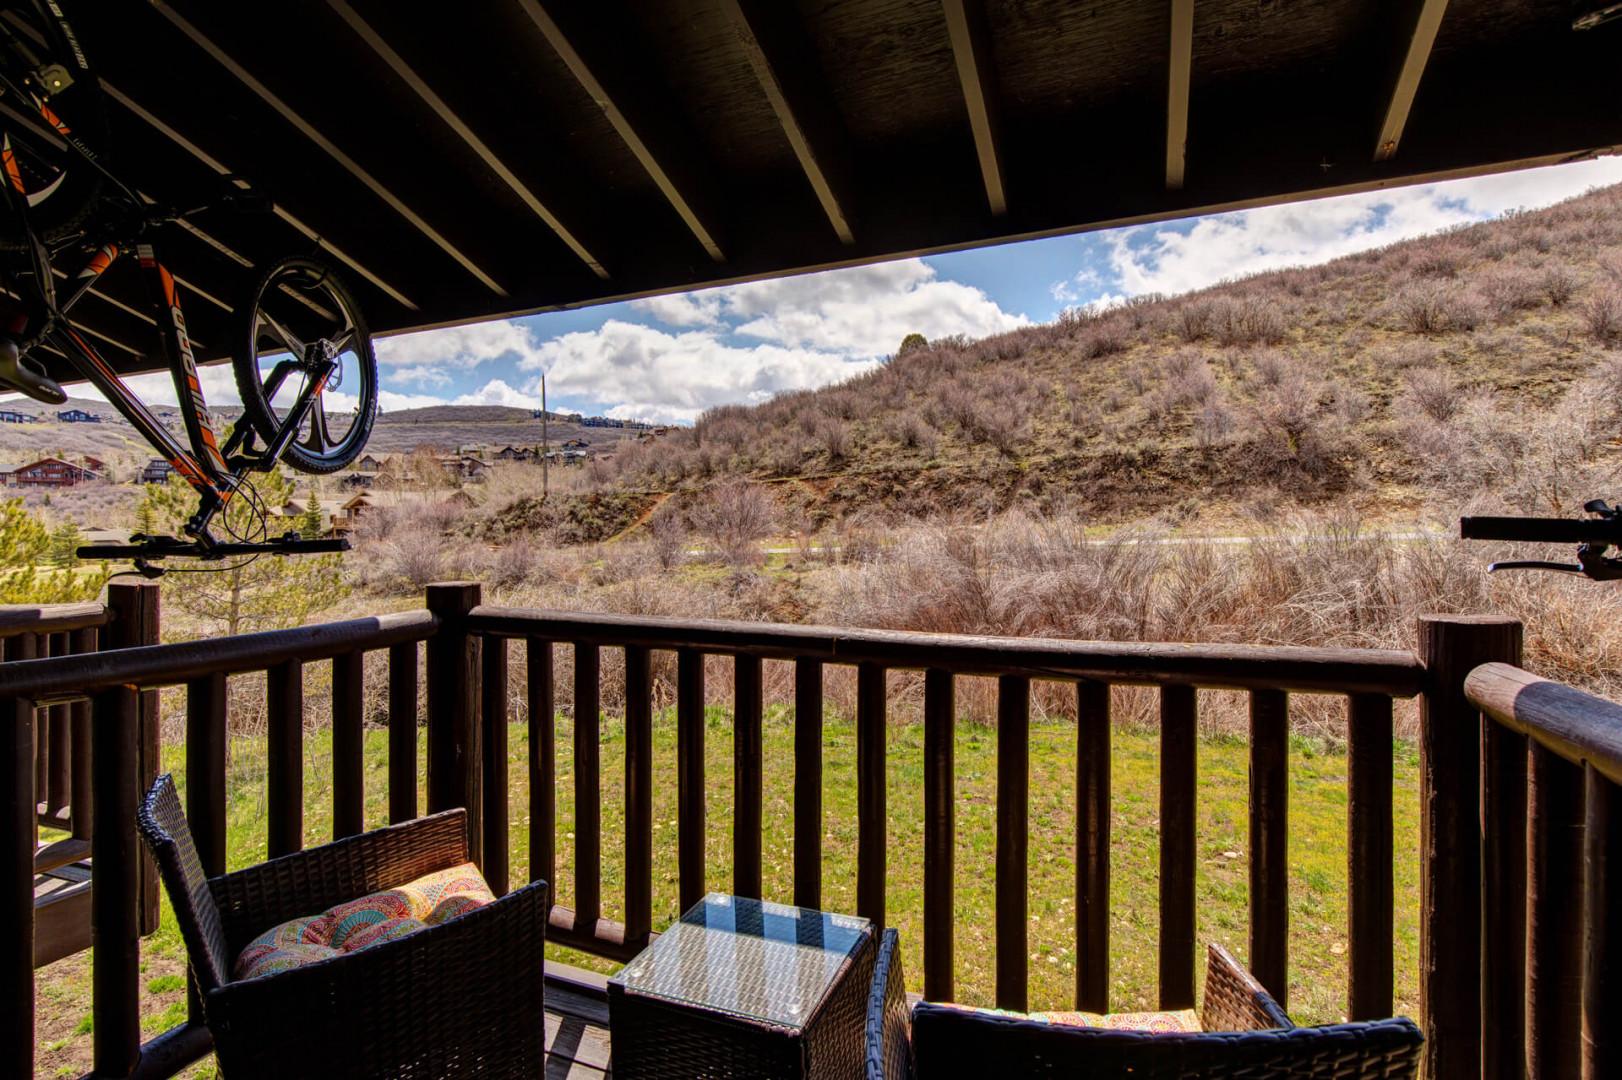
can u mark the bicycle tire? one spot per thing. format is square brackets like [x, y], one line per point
[260, 411]
[61, 185]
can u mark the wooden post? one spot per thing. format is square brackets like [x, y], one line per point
[807, 783]
[402, 732]
[84, 642]
[284, 759]
[348, 744]
[940, 832]
[497, 835]
[543, 765]
[1178, 772]
[453, 748]
[1554, 915]
[1602, 943]
[205, 770]
[1092, 846]
[1013, 839]
[58, 757]
[588, 800]
[135, 622]
[17, 909]
[1370, 898]
[638, 795]
[872, 824]
[1450, 647]
[747, 776]
[1503, 902]
[1269, 841]
[115, 896]
[690, 776]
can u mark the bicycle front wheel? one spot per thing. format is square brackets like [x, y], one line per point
[299, 315]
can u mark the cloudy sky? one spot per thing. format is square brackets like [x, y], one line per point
[670, 357]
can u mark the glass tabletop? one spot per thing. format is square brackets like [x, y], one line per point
[752, 958]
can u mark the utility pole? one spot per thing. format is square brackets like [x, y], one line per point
[546, 449]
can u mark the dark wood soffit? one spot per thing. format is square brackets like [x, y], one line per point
[976, 72]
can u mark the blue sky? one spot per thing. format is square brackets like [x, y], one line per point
[668, 358]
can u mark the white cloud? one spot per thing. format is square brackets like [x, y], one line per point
[436, 357]
[863, 311]
[497, 392]
[1179, 258]
[650, 373]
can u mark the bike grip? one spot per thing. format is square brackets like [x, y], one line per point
[1541, 530]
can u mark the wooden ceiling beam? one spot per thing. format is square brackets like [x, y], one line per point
[781, 60]
[332, 150]
[1180, 71]
[459, 127]
[1417, 24]
[976, 73]
[590, 39]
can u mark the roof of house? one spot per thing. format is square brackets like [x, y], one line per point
[644, 148]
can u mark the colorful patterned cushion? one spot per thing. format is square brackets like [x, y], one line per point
[366, 921]
[1157, 1022]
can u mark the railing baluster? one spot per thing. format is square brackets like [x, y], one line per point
[59, 771]
[1553, 915]
[493, 712]
[808, 783]
[17, 911]
[29, 646]
[872, 824]
[543, 765]
[1269, 841]
[588, 851]
[1092, 845]
[1013, 837]
[1177, 793]
[115, 898]
[747, 781]
[134, 621]
[348, 737]
[1370, 899]
[638, 795]
[1450, 838]
[205, 788]
[690, 775]
[284, 709]
[83, 791]
[1503, 883]
[940, 831]
[402, 732]
[1602, 946]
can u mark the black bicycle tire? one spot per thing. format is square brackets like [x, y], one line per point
[245, 365]
[83, 107]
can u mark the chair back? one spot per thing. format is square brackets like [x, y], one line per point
[889, 1044]
[162, 825]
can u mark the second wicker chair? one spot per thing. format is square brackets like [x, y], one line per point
[1247, 1036]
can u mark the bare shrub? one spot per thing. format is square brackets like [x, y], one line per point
[1194, 320]
[1252, 320]
[667, 535]
[512, 564]
[1431, 392]
[1104, 338]
[1511, 290]
[1137, 377]
[834, 437]
[1437, 259]
[736, 516]
[1213, 423]
[1271, 368]
[1559, 285]
[914, 432]
[1429, 308]
[1602, 315]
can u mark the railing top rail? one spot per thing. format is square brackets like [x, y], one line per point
[1247, 667]
[51, 618]
[165, 665]
[1578, 726]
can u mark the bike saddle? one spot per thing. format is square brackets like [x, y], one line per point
[23, 373]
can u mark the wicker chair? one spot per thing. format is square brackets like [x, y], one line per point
[462, 998]
[1245, 1035]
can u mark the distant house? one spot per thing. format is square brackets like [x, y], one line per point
[368, 502]
[7, 471]
[577, 444]
[299, 505]
[77, 416]
[48, 472]
[12, 416]
[156, 471]
[374, 463]
[94, 464]
[463, 466]
[516, 453]
[358, 479]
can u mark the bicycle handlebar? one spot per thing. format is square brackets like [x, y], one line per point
[1542, 530]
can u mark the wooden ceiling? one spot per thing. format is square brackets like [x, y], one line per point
[474, 160]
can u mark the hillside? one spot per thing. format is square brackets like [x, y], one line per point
[1402, 381]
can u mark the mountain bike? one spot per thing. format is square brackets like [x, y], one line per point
[302, 356]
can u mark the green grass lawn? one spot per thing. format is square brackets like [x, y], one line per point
[1317, 857]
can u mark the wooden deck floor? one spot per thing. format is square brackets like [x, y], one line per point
[576, 1023]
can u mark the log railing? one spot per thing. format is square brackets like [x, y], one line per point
[115, 686]
[1469, 775]
[1551, 821]
[1368, 679]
